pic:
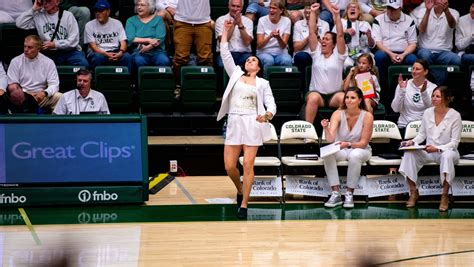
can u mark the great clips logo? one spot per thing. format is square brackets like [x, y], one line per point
[89, 150]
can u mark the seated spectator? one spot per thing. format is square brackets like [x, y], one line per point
[32, 80]
[81, 13]
[441, 128]
[465, 37]
[365, 64]
[83, 99]
[106, 38]
[57, 29]
[326, 13]
[325, 88]
[357, 33]
[395, 37]
[302, 57]
[412, 97]
[350, 127]
[436, 30]
[146, 34]
[371, 9]
[257, 9]
[10, 10]
[273, 33]
[192, 27]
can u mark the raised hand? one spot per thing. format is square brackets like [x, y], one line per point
[228, 24]
[402, 83]
[423, 88]
[315, 7]
[429, 4]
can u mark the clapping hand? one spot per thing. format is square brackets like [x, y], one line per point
[315, 7]
[275, 33]
[401, 82]
[425, 84]
[429, 4]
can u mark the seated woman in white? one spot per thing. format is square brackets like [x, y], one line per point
[351, 127]
[441, 128]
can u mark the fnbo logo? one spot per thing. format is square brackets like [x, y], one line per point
[86, 196]
[12, 199]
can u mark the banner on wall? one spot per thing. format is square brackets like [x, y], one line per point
[266, 186]
[386, 185]
[463, 186]
[429, 185]
[307, 185]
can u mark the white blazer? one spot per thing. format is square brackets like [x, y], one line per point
[265, 100]
[448, 133]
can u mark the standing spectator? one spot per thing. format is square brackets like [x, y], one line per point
[325, 88]
[436, 29]
[32, 75]
[106, 38]
[193, 26]
[57, 29]
[357, 33]
[302, 57]
[441, 128]
[81, 13]
[146, 34]
[83, 99]
[10, 10]
[350, 127]
[257, 9]
[465, 37]
[249, 102]
[412, 97]
[395, 37]
[273, 33]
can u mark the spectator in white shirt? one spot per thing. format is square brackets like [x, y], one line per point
[465, 37]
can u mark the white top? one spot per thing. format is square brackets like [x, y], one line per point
[342, 4]
[360, 27]
[3, 78]
[326, 73]
[265, 27]
[464, 32]
[411, 103]
[34, 75]
[73, 103]
[163, 4]
[243, 99]
[68, 33]
[395, 35]
[301, 31]
[106, 36]
[446, 135]
[15, 8]
[193, 11]
[235, 42]
[438, 35]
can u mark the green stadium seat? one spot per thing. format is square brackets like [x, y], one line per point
[115, 83]
[156, 86]
[67, 77]
[219, 8]
[11, 40]
[387, 94]
[285, 82]
[198, 88]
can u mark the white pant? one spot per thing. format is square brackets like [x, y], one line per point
[413, 161]
[355, 156]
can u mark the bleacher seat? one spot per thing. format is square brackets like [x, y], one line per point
[467, 137]
[67, 77]
[198, 88]
[412, 129]
[299, 129]
[266, 161]
[383, 132]
[156, 86]
[285, 83]
[115, 83]
[387, 94]
[11, 40]
[219, 8]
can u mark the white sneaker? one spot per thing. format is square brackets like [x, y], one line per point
[348, 200]
[334, 200]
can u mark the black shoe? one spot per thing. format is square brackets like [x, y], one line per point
[239, 199]
[242, 213]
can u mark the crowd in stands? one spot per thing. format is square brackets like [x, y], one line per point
[177, 33]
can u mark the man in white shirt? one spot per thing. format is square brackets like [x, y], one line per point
[32, 75]
[465, 37]
[82, 100]
[436, 28]
[395, 37]
[62, 44]
[106, 38]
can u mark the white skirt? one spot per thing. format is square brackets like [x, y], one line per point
[243, 130]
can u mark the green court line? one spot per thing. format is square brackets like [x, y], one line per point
[424, 257]
[227, 212]
[30, 226]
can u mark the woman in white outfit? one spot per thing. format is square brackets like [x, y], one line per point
[249, 101]
[351, 128]
[441, 128]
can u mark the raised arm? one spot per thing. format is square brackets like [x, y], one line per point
[340, 42]
[229, 64]
[313, 28]
[330, 129]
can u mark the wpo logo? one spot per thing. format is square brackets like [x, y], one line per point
[12, 199]
[86, 196]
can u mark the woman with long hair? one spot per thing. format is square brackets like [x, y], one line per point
[351, 128]
[249, 103]
[441, 128]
